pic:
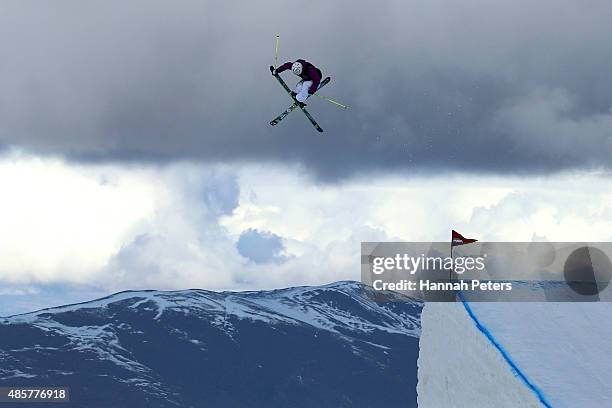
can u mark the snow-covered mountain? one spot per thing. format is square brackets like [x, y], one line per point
[327, 346]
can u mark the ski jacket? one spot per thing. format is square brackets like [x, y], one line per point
[309, 73]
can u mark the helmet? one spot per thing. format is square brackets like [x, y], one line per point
[297, 68]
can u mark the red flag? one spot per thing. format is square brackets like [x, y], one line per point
[458, 239]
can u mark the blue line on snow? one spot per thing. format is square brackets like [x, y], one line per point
[504, 354]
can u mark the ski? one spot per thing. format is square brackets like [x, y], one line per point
[284, 85]
[294, 106]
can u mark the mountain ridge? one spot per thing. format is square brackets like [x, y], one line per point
[294, 346]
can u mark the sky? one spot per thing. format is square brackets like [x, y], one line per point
[135, 149]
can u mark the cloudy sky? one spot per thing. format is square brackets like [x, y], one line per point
[136, 150]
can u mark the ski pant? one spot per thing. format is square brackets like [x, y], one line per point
[301, 89]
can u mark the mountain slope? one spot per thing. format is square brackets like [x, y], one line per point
[327, 346]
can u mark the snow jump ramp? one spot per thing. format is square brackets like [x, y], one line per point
[515, 355]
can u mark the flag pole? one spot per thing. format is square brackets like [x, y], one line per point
[461, 240]
[450, 273]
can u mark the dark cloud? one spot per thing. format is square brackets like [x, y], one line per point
[516, 86]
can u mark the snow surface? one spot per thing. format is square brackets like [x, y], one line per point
[293, 305]
[515, 355]
[459, 367]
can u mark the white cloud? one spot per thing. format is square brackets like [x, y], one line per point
[61, 222]
[123, 227]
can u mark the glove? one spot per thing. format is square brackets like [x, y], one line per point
[272, 70]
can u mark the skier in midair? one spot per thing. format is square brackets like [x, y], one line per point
[311, 77]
